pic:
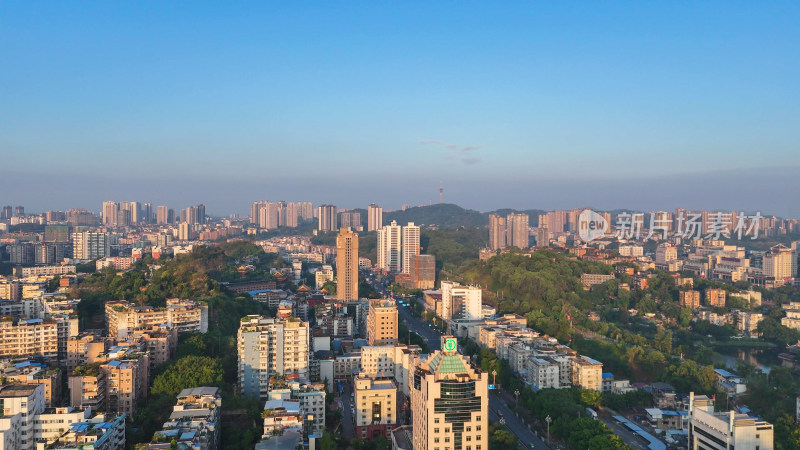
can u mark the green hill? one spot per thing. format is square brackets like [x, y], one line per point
[444, 215]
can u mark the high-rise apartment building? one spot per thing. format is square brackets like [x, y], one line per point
[449, 402]
[410, 245]
[162, 215]
[270, 346]
[389, 251]
[517, 230]
[461, 302]
[306, 211]
[382, 322]
[194, 214]
[90, 245]
[350, 219]
[374, 217]
[347, 265]
[497, 232]
[780, 263]
[110, 210]
[19, 211]
[326, 216]
[7, 212]
[134, 211]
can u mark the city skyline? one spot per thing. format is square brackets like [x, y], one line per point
[524, 100]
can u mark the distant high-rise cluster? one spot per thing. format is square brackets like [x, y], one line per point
[509, 231]
[193, 215]
[271, 215]
[326, 216]
[397, 246]
[125, 214]
[350, 219]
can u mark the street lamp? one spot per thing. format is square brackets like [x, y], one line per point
[548, 420]
[494, 378]
[516, 396]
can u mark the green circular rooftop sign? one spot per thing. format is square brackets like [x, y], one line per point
[450, 344]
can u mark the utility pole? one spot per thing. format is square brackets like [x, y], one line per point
[441, 192]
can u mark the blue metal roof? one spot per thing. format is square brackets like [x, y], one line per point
[724, 373]
[655, 444]
[608, 375]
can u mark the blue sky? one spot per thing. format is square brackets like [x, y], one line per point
[524, 104]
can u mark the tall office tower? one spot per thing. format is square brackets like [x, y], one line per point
[267, 347]
[110, 210]
[461, 302]
[410, 245]
[292, 214]
[162, 215]
[449, 402]
[19, 211]
[497, 232]
[389, 248]
[147, 213]
[7, 212]
[780, 263]
[90, 245]
[170, 215]
[374, 217]
[517, 233]
[326, 215]
[306, 211]
[346, 265]
[382, 322]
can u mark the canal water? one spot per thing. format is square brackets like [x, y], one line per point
[761, 358]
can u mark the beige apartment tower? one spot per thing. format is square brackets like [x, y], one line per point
[497, 232]
[374, 217]
[449, 402]
[382, 322]
[347, 265]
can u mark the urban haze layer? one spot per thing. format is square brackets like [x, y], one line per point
[428, 327]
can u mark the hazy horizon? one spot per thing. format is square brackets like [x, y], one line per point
[521, 105]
